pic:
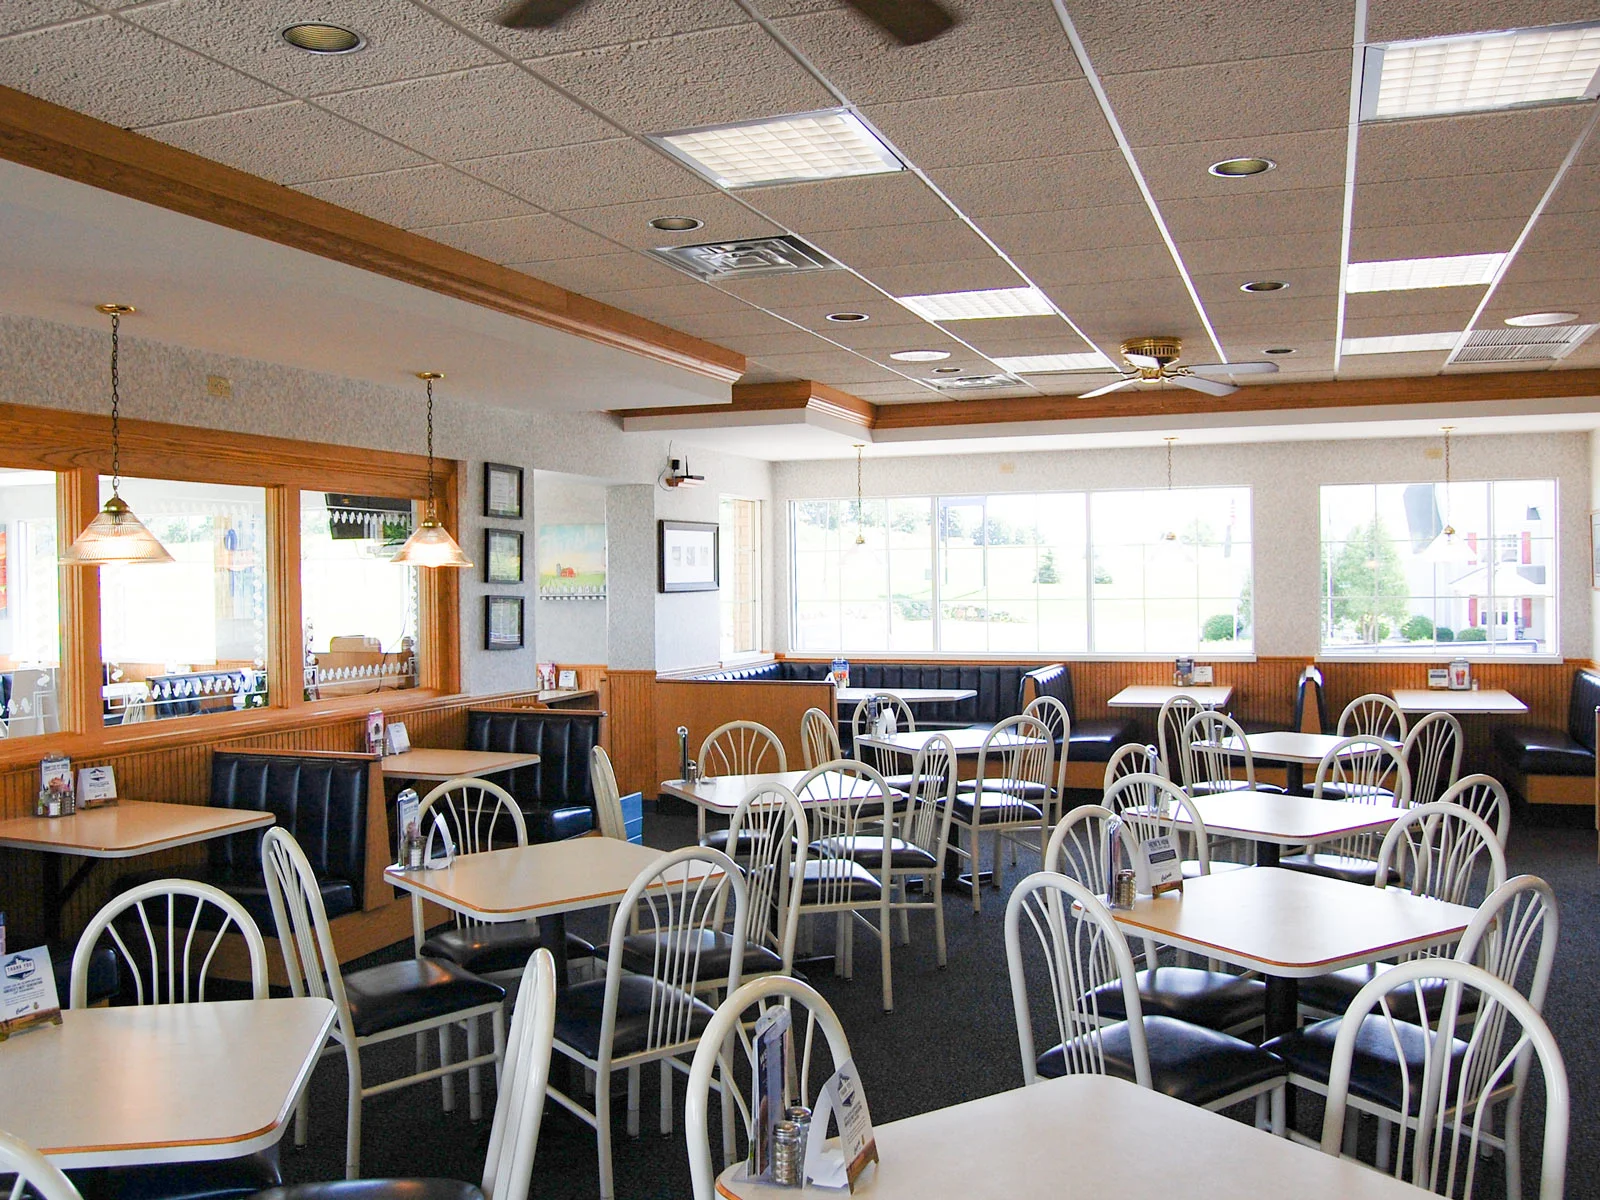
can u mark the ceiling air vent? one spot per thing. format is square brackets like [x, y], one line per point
[1521, 345]
[974, 383]
[754, 256]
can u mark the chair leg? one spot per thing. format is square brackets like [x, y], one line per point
[474, 1076]
[1352, 1131]
[1280, 1110]
[730, 1145]
[847, 922]
[447, 1083]
[352, 1124]
[905, 916]
[602, 1131]
[938, 918]
[975, 866]
[633, 1101]
[1385, 1147]
[838, 947]
[422, 1053]
[1000, 840]
[498, 1026]
[885, 939]
[666, 1096]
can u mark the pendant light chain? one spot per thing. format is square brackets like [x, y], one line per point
[1449, 529]
[116, 409]
[861, 538]
[430, 449]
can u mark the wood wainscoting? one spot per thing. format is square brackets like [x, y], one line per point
[700, 705]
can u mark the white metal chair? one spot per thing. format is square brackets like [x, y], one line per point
[1486, 796]
[737, 748]
[1009, 794]
[843, 800]
[1132, 759]
[33, 1171]
[1170, 723]
[1216, 758]
[886, 762]
[1085, 959]
[628, 1019]
[1055, 717]
[1078, 846]
[1432, 751]
[819, 738]
[1373, 715]
[1359, 770]
[378, 1004]
[716, 1057]
[607, 796]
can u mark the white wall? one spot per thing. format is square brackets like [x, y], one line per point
[564, 631]
[1284, 478]
[50, 365]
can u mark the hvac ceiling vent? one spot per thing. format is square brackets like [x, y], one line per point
[1521, 345]
[753, 256]
[974, 383]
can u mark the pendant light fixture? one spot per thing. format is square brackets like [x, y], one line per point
[1449, 529]
[1171, 535]
[115, 535]
[431, 544]
[1447, 548]
[861, 538]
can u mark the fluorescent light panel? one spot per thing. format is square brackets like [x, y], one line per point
[821, 145]
[1403, 343]
[1403, 274]
[1042, 364]
[1432, 76]
[979, 306]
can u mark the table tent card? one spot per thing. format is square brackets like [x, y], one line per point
[97, 786]
[398, 738]
[1163, 870]
[57, 794]
[407, 804]
[27, 992]
[843, 1099]
[375, 731]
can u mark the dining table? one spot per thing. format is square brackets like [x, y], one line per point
[1296, 751]
[436, 766]
[855, 695]
[1144, 695]
[721, 795]
[1464, 701]
[1273, 820]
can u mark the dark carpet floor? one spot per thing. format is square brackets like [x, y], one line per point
[951, 1038]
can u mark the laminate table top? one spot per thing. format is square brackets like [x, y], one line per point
[1141, 695]
[128, 828]
[1287, 746]
[1090, 1135]
[963, 741]
[855, 695]
[161, 1083]
[1289, 820]
[439, 765]
[1427, 700]
[722, 794]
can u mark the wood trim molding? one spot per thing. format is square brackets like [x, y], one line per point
[69, 144]
[797, 396]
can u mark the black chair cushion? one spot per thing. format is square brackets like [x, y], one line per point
[377, 1189]
[1375, 1073]
[1336, 866]
[248, 887]
[1097, 741]
[502, 946]
[1025, 788]
[558, 824]
[863, 884]
[1333, 992]
[714, 948]
[996, 807]
[579, 1011]
[1220, 787]
[1531, 750]
[869, 852]
[717, 839]
[104, 979]
[414, 989]
[1187, 1062]
[1214, 999]
[224, 1179]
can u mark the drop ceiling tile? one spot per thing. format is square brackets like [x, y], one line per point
[897, 390]
[1397, 20]
[287, 143]
[1128, 266]
[1039, 185]
[601, 273]
[1020, 335]
[85, 66]
[693, 79]
[827, 291]
[1075, 383]
[1224, 288]
[589, 176]
[1310, 354]
[837, 367]
[539, 236]
[1578, 232]
[1430, 241]
[902, 245]
[1106, 330]
[419, 196]
[849, 203]
[20, 15]
[1151, 296]
[1512, 195]
[1405, 323]
[1579, 191]
[1306, 161]
[693, 300]
[768, 345]
[1439, 304]
[1061, 341]
[629, 224]
[1259, 257]
[1586, 355]
[1315, 210]
[731, 323]
[1040, 121]
[1143, 35]
[1383, 366]
[1442, 147]
[1279, 308]
[997, 44]
[1511, 299]
[472, 114]
[881, 340]
[402, 41]
[923, 279]
[1538, 263]
[1084, 229]
[1255, 99]
[600, 23]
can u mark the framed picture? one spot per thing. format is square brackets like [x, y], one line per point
[502, 491]
[689, 560]
[1594, 548]
[502, 625]
[572, 562]
[502, 556]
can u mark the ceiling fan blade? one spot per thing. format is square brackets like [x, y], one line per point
[1244, 368]
[909, 22]
[1209, 386]
[537, 14]
[1110, 387]
[1143, 360]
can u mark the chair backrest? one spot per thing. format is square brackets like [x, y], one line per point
[309, 958]
[169, 941]
[926, 819]
[1132, 759]
[1516, 917]
[34, 1170]
[1082, 950]
[819, 738]
[1151, 806]
[1442, 1148]
[1447, 852]
[481, 816]
[1017, 752]
[769, 839]
[1314, 720]
[1374, 715]
[519, 1104]
[841, 798]
[1207, 758]
[742, 748]
[860, 727]
[608, 818]
[1077, 846]
[1432, 751]
[728, 1028]
[1364, 770]
[1170, 722]
[1486, 796]
[681, 898]
[1059, 722]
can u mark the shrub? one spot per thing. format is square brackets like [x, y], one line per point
[1219, 628]
[1444, 633]
[1417, 628]
[1473, 635]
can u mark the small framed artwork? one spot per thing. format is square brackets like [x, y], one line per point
[689, 560]
[502, 556]
[1594, 548]
[502, 626]
[502, 491]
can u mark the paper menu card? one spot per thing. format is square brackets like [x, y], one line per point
[770, 1038]
[27, 992]
[842, 1099]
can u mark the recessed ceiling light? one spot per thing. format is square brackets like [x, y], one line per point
[978, 306]
[1432, 76]
[317, 38]
[847, 318]
[920, 355]
[819, 145]
[1401, 274]
[1544, 318]
[1263, 285]
[1404, 343]
[1279, 350]
[676, 224]
[948, 370]
[1239, 168]
[1042, 364]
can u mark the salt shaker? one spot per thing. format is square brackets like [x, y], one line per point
[788, 1155]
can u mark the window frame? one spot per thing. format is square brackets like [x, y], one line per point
[758, 521]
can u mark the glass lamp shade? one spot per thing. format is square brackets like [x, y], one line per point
[115, 536]
[431, 546]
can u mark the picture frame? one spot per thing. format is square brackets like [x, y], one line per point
[688, 556]
[502, 622]
[1594, 549]
[502, 491]
[502, 556]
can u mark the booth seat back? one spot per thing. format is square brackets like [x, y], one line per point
[1054, 680]
[556, 792]
[1580, 710]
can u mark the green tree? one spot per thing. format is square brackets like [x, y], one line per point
[1218, 628]
[1366, 584]
[1046, 572]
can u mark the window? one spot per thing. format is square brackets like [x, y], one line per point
[359, 609]
[740, 572]
[1047, 573]
[1395, 582]
[190, 636]
[30, 604]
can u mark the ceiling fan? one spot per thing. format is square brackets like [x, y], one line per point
[909, 22]
[1153, 361]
